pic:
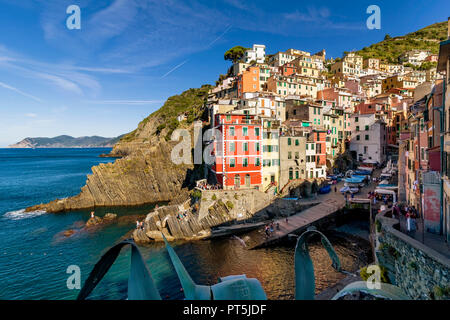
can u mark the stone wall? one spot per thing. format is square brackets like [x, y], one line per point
[420, 271]
[245, 203]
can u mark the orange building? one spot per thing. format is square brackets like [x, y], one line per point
[288, 69]
[248, 81]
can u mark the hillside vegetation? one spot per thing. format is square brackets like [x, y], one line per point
[390, 49]
[190, 103]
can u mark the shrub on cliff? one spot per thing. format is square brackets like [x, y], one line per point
[196, 194]
[230, 205]
[190, 102]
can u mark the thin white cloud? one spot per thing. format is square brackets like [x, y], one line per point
[31, 115]
[6, 86]
[173, 69]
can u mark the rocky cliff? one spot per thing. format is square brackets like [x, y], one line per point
[144, 173]
[213, 209]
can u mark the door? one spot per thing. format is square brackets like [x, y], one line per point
[247, 180]
[237, 181]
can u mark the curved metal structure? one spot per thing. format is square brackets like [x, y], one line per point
[305, 285]
[236, 287]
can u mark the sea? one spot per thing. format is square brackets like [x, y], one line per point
[37, 259]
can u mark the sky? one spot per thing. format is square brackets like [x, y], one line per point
[129, 56]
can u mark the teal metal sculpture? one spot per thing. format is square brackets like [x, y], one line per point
[140, 282]
[236, 287]
[229, 288]
[305, 284]
[386, 290]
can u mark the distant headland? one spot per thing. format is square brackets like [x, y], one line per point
[65, 141]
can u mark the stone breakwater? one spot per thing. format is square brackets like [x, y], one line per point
[191, 222]
[420, 271]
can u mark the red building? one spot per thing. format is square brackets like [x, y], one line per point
[239, 151]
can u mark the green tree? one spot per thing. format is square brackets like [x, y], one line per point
[235, 53]
[387, 37]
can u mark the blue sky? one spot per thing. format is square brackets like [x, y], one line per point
[130, 55]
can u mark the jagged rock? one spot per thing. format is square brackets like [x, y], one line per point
[155, 235]
[94, 221]
[68, 233]
[140, 236]
[110, 216]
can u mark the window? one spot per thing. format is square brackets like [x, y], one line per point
[296, 142]
[357, 128]
[367, 128]
[231, 131]
[319, 148]
[366, 137]
[232, 163]
[228, 118]
[257, 132]
[245, 146]
[245, 131]
[289, 141]
[289, 155]
[358, 138]
[245, 162]
[232, 147]
[297, 156]
[257, 162]
[291, 174]
[257, 146]
[312, 146]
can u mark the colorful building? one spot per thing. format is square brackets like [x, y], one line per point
[238, 151]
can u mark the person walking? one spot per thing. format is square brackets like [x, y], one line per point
[335, 189]
[410, 224]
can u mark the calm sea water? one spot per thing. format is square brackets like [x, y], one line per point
[34, 255]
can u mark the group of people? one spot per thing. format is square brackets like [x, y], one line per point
[270, 228]
[385, 198]
[205, 186]
[139, 225]
[181, 215]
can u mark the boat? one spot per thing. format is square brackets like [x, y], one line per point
[349, 189]
[325, 189]
[363, 172]
[355, 179]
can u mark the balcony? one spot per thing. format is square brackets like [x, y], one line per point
[240, 121]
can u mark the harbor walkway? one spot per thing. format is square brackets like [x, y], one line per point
[329, 204]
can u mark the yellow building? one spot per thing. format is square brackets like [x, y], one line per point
[271, 153]
[398, 81]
